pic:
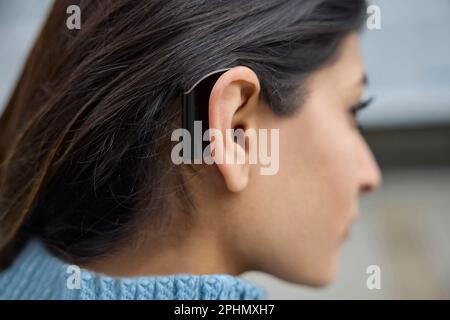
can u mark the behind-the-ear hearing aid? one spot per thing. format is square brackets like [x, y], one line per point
[195, 107]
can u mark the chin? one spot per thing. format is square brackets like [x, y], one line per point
[322, 280]
[316, 277]
[325, 276]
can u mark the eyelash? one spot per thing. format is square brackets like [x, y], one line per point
[360, 106]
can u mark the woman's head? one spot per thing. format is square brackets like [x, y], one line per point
[293, 223]
[86, 138]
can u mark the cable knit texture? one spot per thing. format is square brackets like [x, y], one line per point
[37, 274]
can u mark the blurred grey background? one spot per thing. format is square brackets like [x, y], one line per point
[404, 228]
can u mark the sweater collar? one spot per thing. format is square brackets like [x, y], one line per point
[37, 274]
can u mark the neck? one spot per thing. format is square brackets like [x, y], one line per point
[202, 252]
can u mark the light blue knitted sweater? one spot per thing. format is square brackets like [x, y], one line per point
[37, 274]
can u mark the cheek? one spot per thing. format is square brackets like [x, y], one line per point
[318, 159]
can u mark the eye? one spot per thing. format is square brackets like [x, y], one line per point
[357, 108]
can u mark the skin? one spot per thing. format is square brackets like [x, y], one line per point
[291, 224]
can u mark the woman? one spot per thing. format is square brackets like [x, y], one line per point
[92, 204]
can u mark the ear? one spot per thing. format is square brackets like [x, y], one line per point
[232, 105]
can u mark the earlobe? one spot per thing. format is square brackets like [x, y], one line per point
[232, 105]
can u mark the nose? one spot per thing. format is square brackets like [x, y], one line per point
[371, 177]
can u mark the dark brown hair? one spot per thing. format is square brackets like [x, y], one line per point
[85, 137]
